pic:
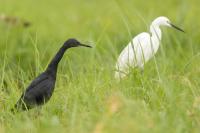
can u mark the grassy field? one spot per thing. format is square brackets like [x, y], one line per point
[87, 99]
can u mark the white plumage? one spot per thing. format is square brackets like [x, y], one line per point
[141, 48]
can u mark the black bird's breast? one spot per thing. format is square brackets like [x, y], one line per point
[38, 92]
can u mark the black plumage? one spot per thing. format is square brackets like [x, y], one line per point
[41, 88]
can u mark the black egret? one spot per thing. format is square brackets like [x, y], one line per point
[142, 48]
[41, 88]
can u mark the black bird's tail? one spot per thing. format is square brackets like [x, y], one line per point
[14, 109]
[19, 106]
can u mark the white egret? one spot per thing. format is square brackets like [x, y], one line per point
[141, 48]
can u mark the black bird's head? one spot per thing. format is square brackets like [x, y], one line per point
[74, 43]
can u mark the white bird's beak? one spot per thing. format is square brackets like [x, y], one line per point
[177, 28]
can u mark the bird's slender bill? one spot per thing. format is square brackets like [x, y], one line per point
[84, 45]
[177, 28]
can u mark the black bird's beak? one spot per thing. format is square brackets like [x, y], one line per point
[84, 45]
[177, 28]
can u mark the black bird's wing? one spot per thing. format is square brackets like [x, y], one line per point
[38, 79]
[37, 93]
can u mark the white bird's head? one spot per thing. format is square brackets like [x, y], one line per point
[164, 21]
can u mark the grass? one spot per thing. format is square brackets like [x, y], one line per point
[166, 98]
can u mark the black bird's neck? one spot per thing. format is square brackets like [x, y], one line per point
[52, 67]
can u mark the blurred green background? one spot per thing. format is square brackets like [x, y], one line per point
[166, 98]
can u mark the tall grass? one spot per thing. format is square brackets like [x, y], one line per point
[166, 98]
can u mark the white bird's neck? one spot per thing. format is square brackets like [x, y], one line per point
[155, 36]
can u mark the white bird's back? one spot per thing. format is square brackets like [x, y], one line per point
[135, 54]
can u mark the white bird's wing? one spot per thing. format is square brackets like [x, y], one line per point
[133, 55]
[143, 48]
